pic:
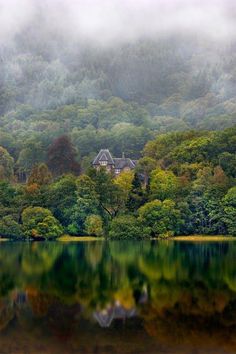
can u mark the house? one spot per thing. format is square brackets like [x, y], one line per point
[113, 164]
[106, 316]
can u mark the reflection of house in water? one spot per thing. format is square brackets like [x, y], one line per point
[20, 299]
[116, 312]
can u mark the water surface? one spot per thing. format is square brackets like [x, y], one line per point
[118, 297]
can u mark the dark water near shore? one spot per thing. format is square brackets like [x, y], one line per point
[118, 297]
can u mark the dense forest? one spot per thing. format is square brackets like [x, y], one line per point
[166, 100]
[117, 97]
[183, 184]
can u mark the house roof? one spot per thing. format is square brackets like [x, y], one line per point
[123, 162]
[118, 163]
[103, 155]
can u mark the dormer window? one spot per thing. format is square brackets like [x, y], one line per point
[103, 163]
[117, 171]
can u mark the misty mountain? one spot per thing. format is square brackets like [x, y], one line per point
[179, 76]
[113, 73]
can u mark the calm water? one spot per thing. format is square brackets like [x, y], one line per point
[117, 297]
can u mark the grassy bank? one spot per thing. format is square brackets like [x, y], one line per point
[204, 238]
[67, 238]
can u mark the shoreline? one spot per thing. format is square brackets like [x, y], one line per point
[67, 238]
[191, 238]
[202, 238]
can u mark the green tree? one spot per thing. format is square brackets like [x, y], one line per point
[162, 218]
[136, 196]
[10, 228]
[124, 181]
[87, 203]
[145, 166]
[229, 204]
[126, 227]
[61, 198]
[94, 225]
[204, 201]
[109, 194]
[39, 222]
[31, 153]
[6, 165]
[163, 184]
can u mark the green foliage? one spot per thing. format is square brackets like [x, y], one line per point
[87, 203]
[7, 193]
[110, 196]
[94, 225]
[163, 184]
[61, 198]
[162, 218]
[229, 203]
[6, 165]
[39, 222]
[182, 185]
[145, 166]
[10, 228]
[136, 196]
[126, 227]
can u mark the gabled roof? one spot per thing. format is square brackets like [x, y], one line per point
[123, 162]
[103, 155]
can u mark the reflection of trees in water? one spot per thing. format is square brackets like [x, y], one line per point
[210, 324]
[179, 279]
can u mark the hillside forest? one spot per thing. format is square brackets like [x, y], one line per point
[167, 101]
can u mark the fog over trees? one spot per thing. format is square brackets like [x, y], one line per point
[155, 80]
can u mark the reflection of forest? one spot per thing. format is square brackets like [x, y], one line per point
[164, 297]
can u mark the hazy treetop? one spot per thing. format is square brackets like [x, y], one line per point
[108, 21]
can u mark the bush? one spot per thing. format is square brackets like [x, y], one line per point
[126, 227]
[39, 222]
[163, 218]
[10, 228]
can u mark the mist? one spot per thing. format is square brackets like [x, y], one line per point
[105, 21]
[174, 58]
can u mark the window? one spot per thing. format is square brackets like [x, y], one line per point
[117, 171]
[103, 163]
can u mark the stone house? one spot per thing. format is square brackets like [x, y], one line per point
[113, 164]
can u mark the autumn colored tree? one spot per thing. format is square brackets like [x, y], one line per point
[40, 175]
[94, 225]
[62, 157]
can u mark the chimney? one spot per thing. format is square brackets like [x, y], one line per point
[123, 155]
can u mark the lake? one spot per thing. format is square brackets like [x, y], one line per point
[118, 297]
